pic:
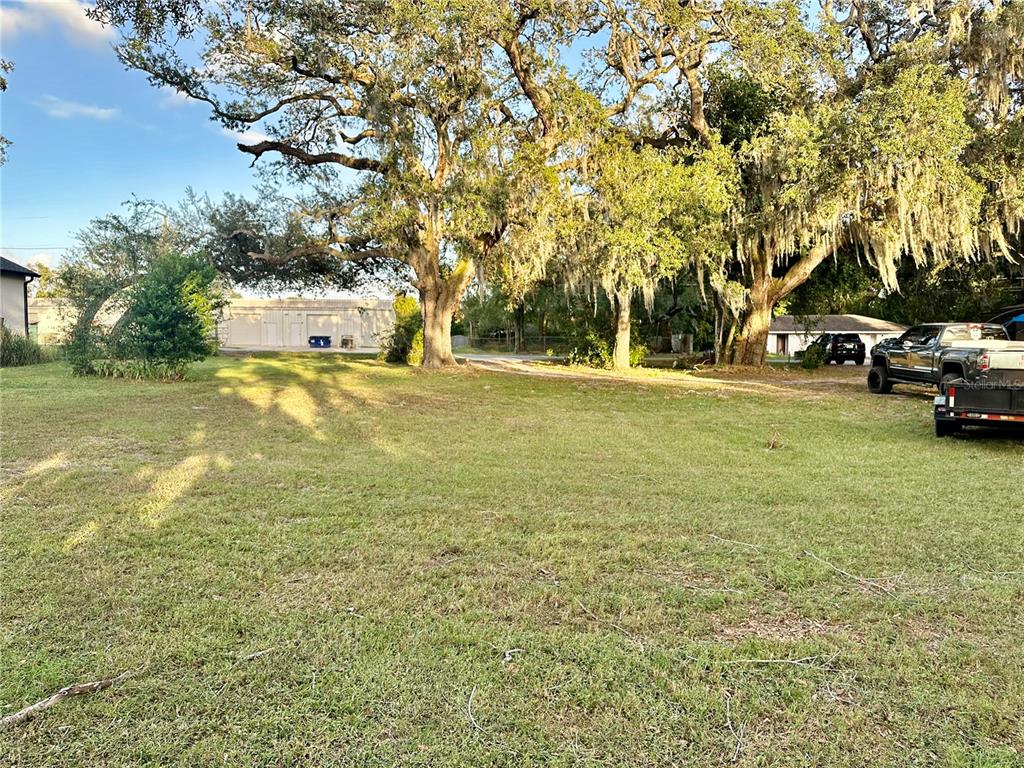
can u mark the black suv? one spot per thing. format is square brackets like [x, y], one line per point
[840, 347]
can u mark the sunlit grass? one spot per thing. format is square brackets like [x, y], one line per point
[601, 564]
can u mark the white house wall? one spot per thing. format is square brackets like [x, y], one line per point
[12, 302]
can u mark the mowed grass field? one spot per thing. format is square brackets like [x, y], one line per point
[323, 561]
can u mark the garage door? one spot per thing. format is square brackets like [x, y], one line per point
[322, 325]
[244, 330]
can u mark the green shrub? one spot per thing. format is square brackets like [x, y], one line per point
[398, 345]
[16, 350]
[814, 357]
[595, 351]
[84, 345]
[591, 350]
[168, 323]
[170, 315]
[139, 370]
[415, 356]
[637, 353]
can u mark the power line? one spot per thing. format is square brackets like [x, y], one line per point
[35, 247]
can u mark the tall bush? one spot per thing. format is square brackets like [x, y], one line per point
[168, 322]
[404, 342]
[16, 350]
[171, 312]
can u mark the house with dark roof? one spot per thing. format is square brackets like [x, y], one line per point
[14, 280]
[790, 334]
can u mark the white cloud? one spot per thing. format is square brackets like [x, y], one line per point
[172, 98]
[64, 109]
[251, 136]
[15, 20]
[46, 258]
[28, 16]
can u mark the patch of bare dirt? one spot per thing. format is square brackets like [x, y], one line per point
[783, 628]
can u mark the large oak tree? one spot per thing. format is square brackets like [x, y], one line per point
[892, 132]
[405, 124]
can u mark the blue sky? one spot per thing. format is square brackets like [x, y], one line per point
[88, 135]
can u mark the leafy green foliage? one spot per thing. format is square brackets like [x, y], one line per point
[136, 288]
[16, 350]
[415, 356]
[813, 357]
[139, 370]
[649, 213]
[403, 343]
[170, 318]
[595, 350]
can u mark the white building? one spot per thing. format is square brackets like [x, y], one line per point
[790, 334]
[14, 280]
[351, 324]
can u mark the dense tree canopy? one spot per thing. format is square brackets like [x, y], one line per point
[892, 133]
[450, 139]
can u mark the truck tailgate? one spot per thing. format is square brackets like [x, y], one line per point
[1006, 360]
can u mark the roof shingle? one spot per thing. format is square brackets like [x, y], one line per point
[834, 324]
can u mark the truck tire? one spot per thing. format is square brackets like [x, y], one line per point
[947, 428]
[949, 378]
[859, 360]
[878, 380]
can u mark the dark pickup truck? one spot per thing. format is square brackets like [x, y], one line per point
[936, 353]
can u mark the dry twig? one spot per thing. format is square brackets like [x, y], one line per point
[805, 661]
[733, 541]
[995, 573]
[736, 734]
[865, 581]
[78, 689]
[256, 655]
[469, 711]
[619, 627]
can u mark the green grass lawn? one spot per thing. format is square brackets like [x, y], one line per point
[474, 569]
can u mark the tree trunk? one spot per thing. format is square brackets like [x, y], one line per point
[438, 310]
[766, 291]
[520, 328]
[620, 355]
[751, 344]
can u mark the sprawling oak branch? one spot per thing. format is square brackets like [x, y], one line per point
[313, 158]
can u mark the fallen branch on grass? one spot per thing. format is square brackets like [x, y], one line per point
[995, 573]
[805, 661]
[619, 627]
[256, 655]
[733, 541]
[736, 734]
[78, 689]
[864, 581]
[469, 711]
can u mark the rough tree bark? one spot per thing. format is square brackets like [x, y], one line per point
[766, 291]
[440, 295]
[620, 355]
[520, 328]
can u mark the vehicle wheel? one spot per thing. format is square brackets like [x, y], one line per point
[859, 361]
[949, 378]
[946, 428]
[878, 380]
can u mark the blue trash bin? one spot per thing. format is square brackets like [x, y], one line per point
[320, 341]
